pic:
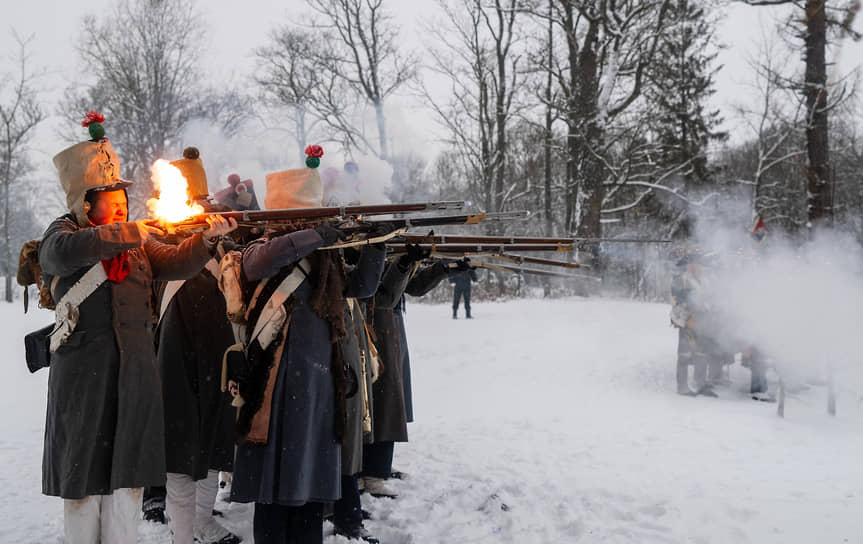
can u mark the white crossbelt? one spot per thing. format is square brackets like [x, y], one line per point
[66, 313]
[273, 315]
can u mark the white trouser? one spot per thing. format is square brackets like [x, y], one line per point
[190, 505]
[103, 519]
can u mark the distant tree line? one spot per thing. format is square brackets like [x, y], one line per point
[594, 114]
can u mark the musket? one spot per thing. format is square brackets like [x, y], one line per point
[461, 239]
[521, 259]
[354, 229]
[436, 220]
[621, 240]
[523, 270]
[257, 218]
[467, 249]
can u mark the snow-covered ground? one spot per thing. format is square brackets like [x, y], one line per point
[547, 422]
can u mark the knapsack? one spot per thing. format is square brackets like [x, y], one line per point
[30, 273]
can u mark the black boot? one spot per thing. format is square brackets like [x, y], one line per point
[357, 532]
[455, 314]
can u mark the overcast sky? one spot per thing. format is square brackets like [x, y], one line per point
[236, 28]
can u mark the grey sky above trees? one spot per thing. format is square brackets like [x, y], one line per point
[235, 30]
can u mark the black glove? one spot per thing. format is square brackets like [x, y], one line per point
[463, 265]
[330, 234]
[380, 229]
[415, 253]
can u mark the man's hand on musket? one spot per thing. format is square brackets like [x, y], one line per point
[146, 230]
[329, 234]
[218, 226]
[415, 253]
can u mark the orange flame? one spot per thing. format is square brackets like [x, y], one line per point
[172, 206]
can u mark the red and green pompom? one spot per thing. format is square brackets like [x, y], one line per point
[93, 121]
[313, 155]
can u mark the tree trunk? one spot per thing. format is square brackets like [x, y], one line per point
[6, 234]
[300, 125]
[590, 188]
[382, 128]
[572, 117]
[549, 136]
[819, 185]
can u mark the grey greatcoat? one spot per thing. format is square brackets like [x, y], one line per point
[355, 351]
[300, 462]
[193, 334]
[104, 423]
[390, 421]
[391, 393]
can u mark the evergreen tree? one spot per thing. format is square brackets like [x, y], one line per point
[682, 78]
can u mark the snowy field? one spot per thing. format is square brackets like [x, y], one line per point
[547, 422]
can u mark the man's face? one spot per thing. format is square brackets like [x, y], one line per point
[109, 207]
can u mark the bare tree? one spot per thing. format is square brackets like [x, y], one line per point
[600, 74]
[141, 70]
[19, 115]
[818, 19]
[481, 64]
[774, 155]
[297, 72]
[365, 54]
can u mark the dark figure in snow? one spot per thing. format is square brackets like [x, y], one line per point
[755, 361]
[692, 315]
[392, 395]
[192, 334]
[461, 280]
[293, 418]
[104, 434]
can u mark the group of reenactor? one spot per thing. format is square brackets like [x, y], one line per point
[301, 395]
[706, 338]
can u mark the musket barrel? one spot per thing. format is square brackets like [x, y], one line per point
[484, 248]
[298, 214]
[461, 239]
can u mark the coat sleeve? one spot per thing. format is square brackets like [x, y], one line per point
[363, 279]
[66, 247]
[426, 279]
[392, 286]
[179, 262]
[265, 259]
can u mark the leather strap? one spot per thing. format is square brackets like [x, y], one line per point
[66, 312]
[273, 314]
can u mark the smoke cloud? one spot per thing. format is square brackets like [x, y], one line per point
[799, 304]
[253, 152]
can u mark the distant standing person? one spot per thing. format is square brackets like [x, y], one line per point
[461, 281]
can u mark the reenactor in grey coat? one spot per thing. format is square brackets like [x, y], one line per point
[691, 314]
[293, 418]
[104, 437]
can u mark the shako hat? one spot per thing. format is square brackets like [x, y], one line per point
[299, 187]
[88, 166]
[192, 169]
